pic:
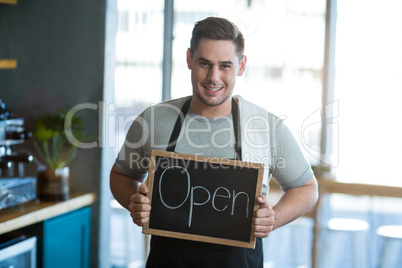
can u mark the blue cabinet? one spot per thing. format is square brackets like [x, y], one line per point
[66, 240]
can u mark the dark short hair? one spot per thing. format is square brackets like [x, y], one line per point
[217, 29]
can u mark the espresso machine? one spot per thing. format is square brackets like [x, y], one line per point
[15, 186]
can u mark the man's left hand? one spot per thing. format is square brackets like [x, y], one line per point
[264, 218]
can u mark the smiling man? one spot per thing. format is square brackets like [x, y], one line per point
[212, 122]
[214, 66]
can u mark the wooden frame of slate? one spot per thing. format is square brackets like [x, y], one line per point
[203, 199]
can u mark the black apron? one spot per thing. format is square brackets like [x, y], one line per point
[178, 253]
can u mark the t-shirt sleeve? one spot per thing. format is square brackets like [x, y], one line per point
[291, 167]
[132, 160]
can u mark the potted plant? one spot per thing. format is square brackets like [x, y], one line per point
[56, 152]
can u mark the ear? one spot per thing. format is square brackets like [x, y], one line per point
[242, 65]
[188, 59]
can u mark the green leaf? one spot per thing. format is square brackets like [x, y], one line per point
[42, 133]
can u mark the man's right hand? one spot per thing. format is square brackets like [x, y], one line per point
[140, 206]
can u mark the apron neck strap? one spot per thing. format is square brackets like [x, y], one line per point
[180, 119]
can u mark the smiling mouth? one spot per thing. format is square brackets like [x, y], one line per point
[212, 89]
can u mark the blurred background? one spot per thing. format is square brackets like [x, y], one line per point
[331, 68]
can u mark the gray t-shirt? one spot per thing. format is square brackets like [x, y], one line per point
[208, 137]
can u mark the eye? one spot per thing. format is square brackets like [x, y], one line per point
[226, 66]
[204, 64]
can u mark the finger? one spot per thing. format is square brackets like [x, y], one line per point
[139, 198]
[139, 214]
[262, 231]
[143, 189]
[141, 221]
[140, 217]
[263, 200]
[261, 234]
[142, 207]
[266, 221]
[264, 212]
[133, 207]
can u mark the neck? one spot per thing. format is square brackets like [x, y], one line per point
[208, 111]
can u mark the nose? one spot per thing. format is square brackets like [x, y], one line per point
[213, 74]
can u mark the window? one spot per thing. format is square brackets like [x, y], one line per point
[368, 83]
[139, 48]
[138, 83]
[284, 48]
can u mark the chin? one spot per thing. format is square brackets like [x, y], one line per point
[213, 100]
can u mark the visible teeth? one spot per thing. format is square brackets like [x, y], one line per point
[213, 88]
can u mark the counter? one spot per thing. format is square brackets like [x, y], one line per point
[32, 212]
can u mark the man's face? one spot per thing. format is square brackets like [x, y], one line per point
[214, 67]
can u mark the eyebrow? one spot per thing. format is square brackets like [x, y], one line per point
[221, 62]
